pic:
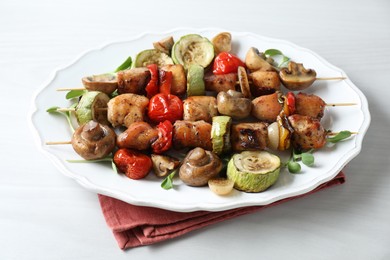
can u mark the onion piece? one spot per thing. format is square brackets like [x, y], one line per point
[221, 186]
[273, 136]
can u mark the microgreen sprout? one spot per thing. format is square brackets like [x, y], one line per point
[306, 158]
[75, 93]
[67, 114]
[275, 52]
[167, 183]
[339, 137]
[105, 159]
[125, 65]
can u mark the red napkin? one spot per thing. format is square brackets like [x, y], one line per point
[137, 226]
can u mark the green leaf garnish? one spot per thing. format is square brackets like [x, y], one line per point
[307, 159]
[75, 93]
[275, 52]
[293, 165]
[272, 52]
[167, 183]
[54, 110]
[339, 137]
[125, 65]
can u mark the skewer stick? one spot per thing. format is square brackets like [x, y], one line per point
[58, 142]
[69, 89]
[340, 104]
[332, 78]
[336, 133]
[322, 78]
[70, 109]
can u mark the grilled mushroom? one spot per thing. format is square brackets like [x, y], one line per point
[105, 83]
[222, 42]
[296, 77]
[255, 60]
[199, 166]
[234, 104]
[163, 165]
[93, 140]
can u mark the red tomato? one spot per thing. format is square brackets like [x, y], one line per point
[226, 63]
[165, 107]
[134, 164]
[164, 141]
[152, 87]
[165, 81]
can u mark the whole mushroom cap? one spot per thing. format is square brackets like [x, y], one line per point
[199, 166]
[93, 140]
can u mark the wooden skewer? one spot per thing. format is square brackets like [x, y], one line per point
[69, 89]
[69, 142]
[70, 109]
[340, 104]
[332, 78]
[323, 78]
[58, 142]
[336, 133]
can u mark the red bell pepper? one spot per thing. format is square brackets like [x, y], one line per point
[152, 87]
[164, 141]
[290, 102]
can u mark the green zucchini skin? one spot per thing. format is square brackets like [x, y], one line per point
[252, 181]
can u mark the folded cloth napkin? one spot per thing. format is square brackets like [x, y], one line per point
[138, 225]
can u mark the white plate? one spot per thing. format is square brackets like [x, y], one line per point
[147, 192]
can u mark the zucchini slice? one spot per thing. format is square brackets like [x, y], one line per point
[151, 56]
[220, 134]
[193, 49]
[195, 82]
[253, 171]
[92, 106]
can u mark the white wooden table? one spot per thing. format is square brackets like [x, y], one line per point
[45, 215]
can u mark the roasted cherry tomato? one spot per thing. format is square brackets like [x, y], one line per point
[165, 81]
[226, 63]
[133, 164]
[164, 141]
[165, 107]
[152, 87]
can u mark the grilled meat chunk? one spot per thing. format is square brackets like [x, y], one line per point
[125, 109]
[139, 136]
[133, 80]
[192, 134]
[249, 136]
[218, 83]
[309, 105]
[308, 132]
[200, 108]
[266, 108]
